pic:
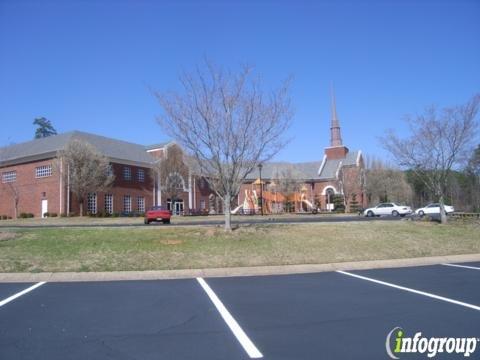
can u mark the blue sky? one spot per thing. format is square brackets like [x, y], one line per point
[88, 65]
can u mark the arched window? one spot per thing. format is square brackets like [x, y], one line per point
[175, 181]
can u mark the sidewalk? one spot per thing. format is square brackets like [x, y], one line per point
[234, 271]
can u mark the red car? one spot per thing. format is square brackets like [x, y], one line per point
[158, 213]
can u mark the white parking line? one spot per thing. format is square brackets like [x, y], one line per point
[242, 338]
[23, 292]
[463, 266]
[433, 296]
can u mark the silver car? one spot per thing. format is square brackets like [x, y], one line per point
[388, 209]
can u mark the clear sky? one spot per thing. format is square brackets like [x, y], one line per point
[88, 65]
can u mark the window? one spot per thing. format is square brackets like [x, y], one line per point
[175, 181]
[127, 173]
[141, 204]
[141, 175]
[127, 203]
[109, 203]
[202, 205]
[92, 203]
[9, 176]
[110, 170]
[43, 171]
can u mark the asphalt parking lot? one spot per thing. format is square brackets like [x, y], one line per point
[330, 315]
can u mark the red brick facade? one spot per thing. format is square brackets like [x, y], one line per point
[53, 190]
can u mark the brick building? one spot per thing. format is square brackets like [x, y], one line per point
[35, 180]
[311, 185]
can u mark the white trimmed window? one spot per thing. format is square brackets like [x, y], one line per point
[141, 204]
[127, 173]
[9, 176]
[202, 205]
[127, 203]
[109, 203]
[92, 203]
[43, 171]
[141, 175]
[110, 170]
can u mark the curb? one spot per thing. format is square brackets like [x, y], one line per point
[232, 272]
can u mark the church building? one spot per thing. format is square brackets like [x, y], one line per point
[337, 179]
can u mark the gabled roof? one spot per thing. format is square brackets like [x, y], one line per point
[158, 146]
[330, 167]
[48, 147]
[306, 170]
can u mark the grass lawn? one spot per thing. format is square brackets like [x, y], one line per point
[178, 220]
[154, 248]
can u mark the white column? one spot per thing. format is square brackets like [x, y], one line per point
[159, 190]
[68, 190]
[194, 193]
[190, 197]
[60, 174]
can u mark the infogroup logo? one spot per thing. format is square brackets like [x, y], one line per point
[397, 343]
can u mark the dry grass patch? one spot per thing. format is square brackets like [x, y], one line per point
[152, 248]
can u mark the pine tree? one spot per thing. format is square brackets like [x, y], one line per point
[44, 128]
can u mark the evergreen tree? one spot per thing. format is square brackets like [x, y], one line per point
[44, 128]
[354, 204]
[338, 202]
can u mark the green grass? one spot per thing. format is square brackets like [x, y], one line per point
[153, 248]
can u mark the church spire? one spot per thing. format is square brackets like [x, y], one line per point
[335, 135]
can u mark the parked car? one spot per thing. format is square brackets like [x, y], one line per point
[388, 209]
[158, 213]
[433, 208]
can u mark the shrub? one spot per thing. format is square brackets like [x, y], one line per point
[4, 217]
[53, 214]
[339, 206]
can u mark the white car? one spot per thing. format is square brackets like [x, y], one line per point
[388, 209]
[433, 208]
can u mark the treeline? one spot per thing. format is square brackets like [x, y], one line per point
[386, 183]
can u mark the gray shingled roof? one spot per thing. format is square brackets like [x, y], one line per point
[304, 171]
[157, 146]
[331, 166]
[46, 147]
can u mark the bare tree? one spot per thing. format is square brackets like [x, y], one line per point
[227, 123]
[288, 183]
[387, 184]
[88, 170]
[15, 196]
[352, 181]
[439, 140]
[173, 172]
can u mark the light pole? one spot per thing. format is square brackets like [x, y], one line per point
[261, 188]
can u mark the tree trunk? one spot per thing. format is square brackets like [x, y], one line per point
[81, 208]
[226, 210]
[443, 214]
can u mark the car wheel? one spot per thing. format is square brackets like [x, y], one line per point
[370, 213]
[421, 213]
[166, 221]
[146, 222]
[395, 213]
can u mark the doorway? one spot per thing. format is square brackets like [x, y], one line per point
[179, 207]
[44, 207]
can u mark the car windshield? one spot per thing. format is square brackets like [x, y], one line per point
[157, 208]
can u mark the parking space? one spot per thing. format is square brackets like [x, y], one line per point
[323, 315]
[120, 320]
[9, 289]
[456, 283]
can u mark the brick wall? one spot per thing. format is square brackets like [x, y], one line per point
[337, 152]
[31, 190]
